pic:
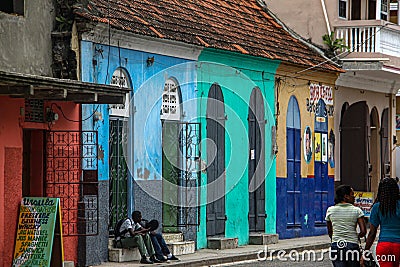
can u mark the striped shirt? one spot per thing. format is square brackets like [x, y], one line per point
[344, 222]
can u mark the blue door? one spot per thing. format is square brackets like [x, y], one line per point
[293, 151]
[321, 164]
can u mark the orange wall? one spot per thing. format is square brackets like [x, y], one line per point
[11, 138]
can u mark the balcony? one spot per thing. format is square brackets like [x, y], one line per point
[370, 36]
[373, 59]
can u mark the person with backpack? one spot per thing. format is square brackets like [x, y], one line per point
[132, 234]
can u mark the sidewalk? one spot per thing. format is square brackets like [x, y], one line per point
[206, 257]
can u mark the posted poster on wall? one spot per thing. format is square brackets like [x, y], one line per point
[317, 146]
[398, 122]
[39, 234]
[324, 147]
[364, 201]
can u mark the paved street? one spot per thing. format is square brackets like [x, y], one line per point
[294, 260]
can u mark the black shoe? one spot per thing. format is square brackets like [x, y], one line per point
[173, 258]
[155, 260]
[161, 258]
[146, 261]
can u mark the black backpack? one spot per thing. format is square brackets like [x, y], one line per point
[117, 228]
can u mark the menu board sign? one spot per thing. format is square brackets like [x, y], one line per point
[39, 221]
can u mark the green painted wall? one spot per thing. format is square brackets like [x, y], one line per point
[237, 75]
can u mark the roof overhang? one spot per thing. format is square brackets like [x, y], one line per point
[39, 87]
[372, 74]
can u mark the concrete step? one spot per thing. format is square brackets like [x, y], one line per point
[182, 247]
[222, 242]
[123, 254]
[263, 239]
[172, 237]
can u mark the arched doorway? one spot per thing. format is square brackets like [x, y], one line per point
[321, 164]
[385, 147]
[293, 159]
[354, 159]
[256, 120]
[118, 181]
[374, 144]
[171, 153]
[215, 210]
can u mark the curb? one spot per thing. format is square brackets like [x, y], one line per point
[242, 257]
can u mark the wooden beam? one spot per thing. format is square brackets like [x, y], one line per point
[14, 90]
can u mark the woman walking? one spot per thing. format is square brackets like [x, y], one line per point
[342, 220]
[385, 213]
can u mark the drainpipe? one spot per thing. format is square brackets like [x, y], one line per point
[328, 26]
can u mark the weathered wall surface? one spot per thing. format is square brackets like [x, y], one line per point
[238, 75]
[303, 16]
[25, 41]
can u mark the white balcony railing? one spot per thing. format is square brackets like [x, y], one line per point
[370, 36]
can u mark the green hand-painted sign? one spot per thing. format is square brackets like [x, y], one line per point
[35, 234]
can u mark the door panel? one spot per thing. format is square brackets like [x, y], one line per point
[354, 146]
[293, 158]
[216, 159]
[385, 160]
[256, 162]
[321, 165]
[118, 191]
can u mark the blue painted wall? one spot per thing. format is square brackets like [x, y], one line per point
[148, 84]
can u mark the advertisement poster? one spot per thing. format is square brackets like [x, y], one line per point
[398, 122]
[307, 144]
[331, 149]
[364, 201]
[324, 147]
[35, 234]
[317, 146]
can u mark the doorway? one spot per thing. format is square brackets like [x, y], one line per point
[215, 210]
[256, 162]
[374, 153]
[33, 163]
[354, 161]
[293, 158]
[321, 164]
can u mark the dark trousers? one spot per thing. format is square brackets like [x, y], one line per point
[160, 247]
[345, 254]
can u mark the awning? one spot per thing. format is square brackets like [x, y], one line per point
[46, 88]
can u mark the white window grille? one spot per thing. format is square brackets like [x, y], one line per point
[170, 107]
[120, 79]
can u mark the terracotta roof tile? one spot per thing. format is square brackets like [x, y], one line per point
[233, 25]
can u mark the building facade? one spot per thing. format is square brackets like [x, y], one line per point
[364, 109]
[41, 136]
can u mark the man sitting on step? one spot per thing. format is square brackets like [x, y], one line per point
[158, 241]
[138, 236]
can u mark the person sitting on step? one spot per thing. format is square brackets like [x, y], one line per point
[138, 236]
[159, 244]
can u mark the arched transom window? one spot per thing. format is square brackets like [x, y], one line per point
[170, 108]
[120, 79]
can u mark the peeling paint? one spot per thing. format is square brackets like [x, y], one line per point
[100, 154]
[143, 175]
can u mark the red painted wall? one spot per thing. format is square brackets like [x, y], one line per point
[11, 158]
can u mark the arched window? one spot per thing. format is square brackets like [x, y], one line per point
[121, 79]
[170, 108]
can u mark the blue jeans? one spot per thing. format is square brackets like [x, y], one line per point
[160, 247]
[345, 255]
